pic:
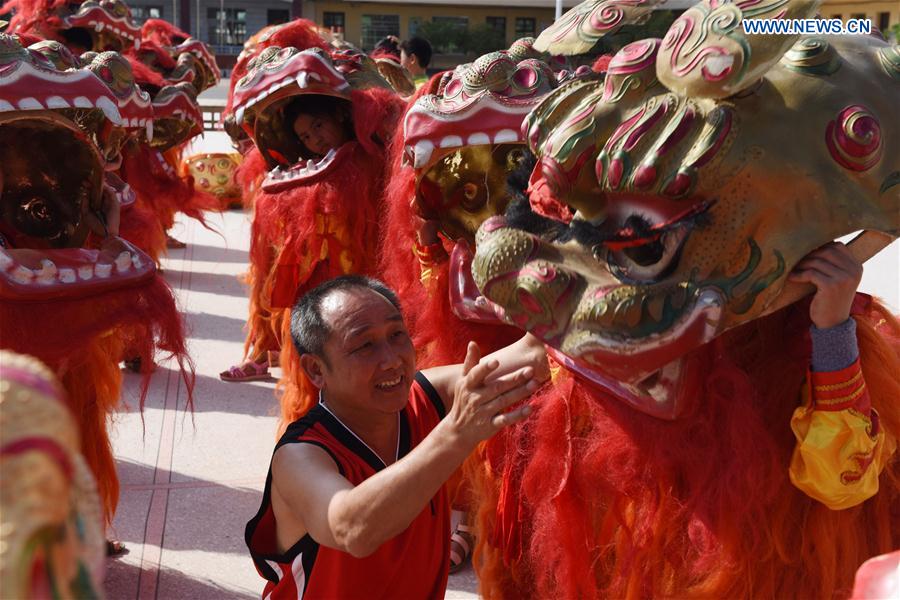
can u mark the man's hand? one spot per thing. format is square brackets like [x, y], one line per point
[478, 405]
[836, 275]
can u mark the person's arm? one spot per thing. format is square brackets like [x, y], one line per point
[841, 449]
[528, 351]
[359, 519]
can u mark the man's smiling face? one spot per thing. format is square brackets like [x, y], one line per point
[368, 357]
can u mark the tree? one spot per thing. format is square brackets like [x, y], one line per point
[446, 37]
[453, 37]
[482, 38]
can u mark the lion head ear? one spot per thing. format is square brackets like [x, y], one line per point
[706, 53]
[583, 27]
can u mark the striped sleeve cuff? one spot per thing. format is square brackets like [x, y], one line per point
[840, 389]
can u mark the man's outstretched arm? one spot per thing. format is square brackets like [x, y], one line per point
[359, 519]
[528, 351]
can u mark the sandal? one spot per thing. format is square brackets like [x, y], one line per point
[462, 540]
[246, 371]
[115, 548]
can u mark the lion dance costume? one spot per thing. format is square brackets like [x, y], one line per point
[314, 217]
[684, 447]
[461, 141]
[51, 538]
[71, 294]
[169, 66]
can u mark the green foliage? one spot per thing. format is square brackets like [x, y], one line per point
[447, 37]
[893, 32]
[482, 38]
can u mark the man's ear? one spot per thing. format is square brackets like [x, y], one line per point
[312, 365]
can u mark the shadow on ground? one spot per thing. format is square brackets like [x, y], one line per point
[206, 326]
[254, 399]
[216, 254]
[122, 576]
[201, 514]
[211, 283]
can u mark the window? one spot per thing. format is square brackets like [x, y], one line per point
[414, 24]
[524, 27]
[884, 21]
[333, 21]
[227, 27]
[277, 16]
[838, 16]
[497, 24]
[140, 14]
[459, 23]
[858, 16]
[375, 27]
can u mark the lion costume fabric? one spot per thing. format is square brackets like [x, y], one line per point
[169, 65]
[70, 294]
[667, 456]
[52, 531]
[314, 218]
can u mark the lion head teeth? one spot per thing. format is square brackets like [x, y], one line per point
[67, 275]
[86, 272]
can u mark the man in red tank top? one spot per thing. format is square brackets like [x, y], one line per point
[354, 503]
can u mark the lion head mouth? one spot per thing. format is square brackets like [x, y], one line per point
[102, 26]
[609, 298]
[306, 171]
[50, 202]
[52, 179]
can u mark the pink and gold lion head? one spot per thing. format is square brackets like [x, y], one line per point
[82, 25]
[274, 78]
[55, 140]
[176, 56]
[703, 168]
[465, 139]
[51, 533]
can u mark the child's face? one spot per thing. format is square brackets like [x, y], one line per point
[320, 133]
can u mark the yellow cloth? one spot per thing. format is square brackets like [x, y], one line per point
[837, 459]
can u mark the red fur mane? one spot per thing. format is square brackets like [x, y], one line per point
[161, 33]
[589, 498]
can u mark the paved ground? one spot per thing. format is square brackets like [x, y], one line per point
[190, 482]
